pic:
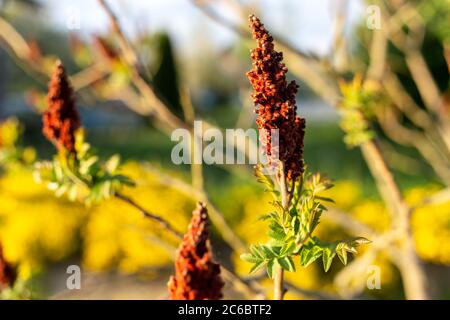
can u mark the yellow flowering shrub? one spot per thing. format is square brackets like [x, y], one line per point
[34, 226]
[345, 193]
[10, 153]
[9, 132]
[372, 213]
[431, 226]
[117, 234]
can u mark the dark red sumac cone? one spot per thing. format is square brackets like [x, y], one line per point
[7, 272]
[275, 103]
[197, 277]
[61, 120]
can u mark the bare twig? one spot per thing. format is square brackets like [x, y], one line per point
[216, 216]
[346, 221]
[440, 197]
[19, 50]
[311, 293]
[425, 83]
[163, 113]
[241, 30]
[390, 124]
[165, 224]
[413, 274]
[304, 65]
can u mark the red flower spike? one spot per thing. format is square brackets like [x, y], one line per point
[275, 103]
[197, 277]
[61, 120]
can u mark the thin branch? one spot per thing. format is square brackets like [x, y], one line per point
[440, 197]
[129, 53]
[311, 293]
[165, 224]
[165, 115]
[19, 50]
[428, 89]
[306, 66]
[216, 216]
[346, 221]
[87, 76]
[244, 32]
[390, 124]
[414, 279]
[403, 102]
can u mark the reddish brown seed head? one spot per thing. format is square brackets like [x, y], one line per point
[275, 103]
[196, 277]
[61, 120]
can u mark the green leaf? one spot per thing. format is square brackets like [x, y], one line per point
[276, 235]
[112, 164]
[86, 165]
[325, 199]
[276, 249]
[265, 217]
[286, 263]
[327, 258]
[257, 251]
[276, 243]
[268, 253]
[61, 190]
[295, 223]
[279, 207]
[309, 254]
[249, 258]
[258, 265]
[293, 212]
[342, 254]
[264, 179]
[360, 240]
[288, 248]
[276, 231]
[270, 267]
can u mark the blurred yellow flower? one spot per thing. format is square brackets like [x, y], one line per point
[10, 130]
[116, 234]
[34, 226]
[431, 226]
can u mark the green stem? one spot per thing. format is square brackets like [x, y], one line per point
[278, 277]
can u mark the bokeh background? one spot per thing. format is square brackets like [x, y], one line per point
[197, 62]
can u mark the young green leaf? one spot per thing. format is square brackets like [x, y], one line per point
[327, 258]
[258, 265]
[268, 252]
[309, 254]
[257, 251]
[276, 231]
[286, 263]
[342, 254]
[270, 267]
[287, 248]
[250, 258]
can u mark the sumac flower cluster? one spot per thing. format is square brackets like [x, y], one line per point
[197, 276]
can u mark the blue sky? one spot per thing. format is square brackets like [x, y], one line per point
[307, 23]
